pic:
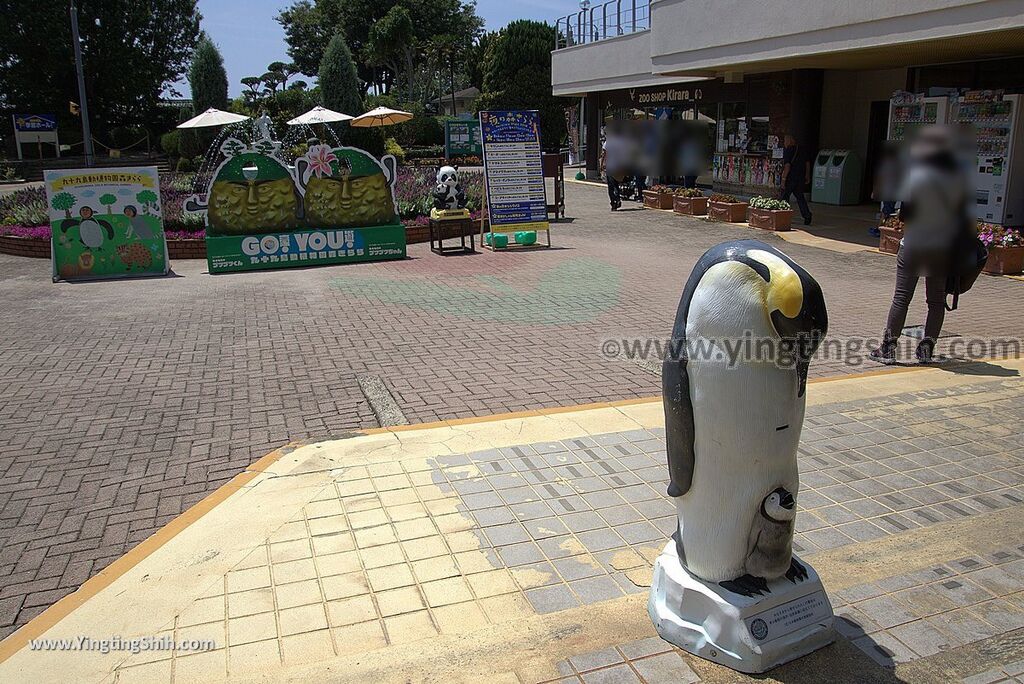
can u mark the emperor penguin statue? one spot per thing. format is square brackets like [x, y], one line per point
[734, 391]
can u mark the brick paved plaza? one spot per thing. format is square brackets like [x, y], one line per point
[125, 403]
[521, 550]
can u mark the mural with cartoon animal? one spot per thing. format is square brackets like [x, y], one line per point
[335, 205]
[97, 229]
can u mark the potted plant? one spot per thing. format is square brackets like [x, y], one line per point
[726, 208]
[1005, 249]
[769, 213]
[690, 201]
[889, 235]
[658, 197]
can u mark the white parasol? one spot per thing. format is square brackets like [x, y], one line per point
[319, 115]
[212, 117]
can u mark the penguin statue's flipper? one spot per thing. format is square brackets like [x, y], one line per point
[675, 388]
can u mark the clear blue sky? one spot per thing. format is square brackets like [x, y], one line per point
[250, 38]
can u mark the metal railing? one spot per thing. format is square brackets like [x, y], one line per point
[591, 24]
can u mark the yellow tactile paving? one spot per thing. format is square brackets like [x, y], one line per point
[339, 548]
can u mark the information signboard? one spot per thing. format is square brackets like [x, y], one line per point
[513, 175]
[35, 129]
[462, 138]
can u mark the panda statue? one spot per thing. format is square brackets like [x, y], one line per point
[449, 198]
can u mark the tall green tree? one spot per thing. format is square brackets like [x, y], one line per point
[207, 77]
[339, 82]
[309, 24]
[517, 75]
[131, 51]
[477, 58]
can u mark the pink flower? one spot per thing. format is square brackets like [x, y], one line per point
[320, 158]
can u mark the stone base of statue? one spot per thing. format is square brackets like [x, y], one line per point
[749, 634]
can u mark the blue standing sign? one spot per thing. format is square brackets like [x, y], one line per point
[513, 175]
[35, 123]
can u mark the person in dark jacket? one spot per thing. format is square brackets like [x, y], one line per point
[796, 174]
[935, 209]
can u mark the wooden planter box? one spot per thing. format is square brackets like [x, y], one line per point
[771, 219]
[889, 240]
[730, 212]
[1005, 260]
[691, 206]
[657, 200]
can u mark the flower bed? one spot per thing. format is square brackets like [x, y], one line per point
[768, 213]
[1005, 249]
[658, 197]
[727, 208]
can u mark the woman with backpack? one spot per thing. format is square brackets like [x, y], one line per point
[935, 208]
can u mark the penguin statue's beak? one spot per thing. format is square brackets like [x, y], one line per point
[797, 311]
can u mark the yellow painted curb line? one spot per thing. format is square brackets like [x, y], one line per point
[104, 578]
[58, 611]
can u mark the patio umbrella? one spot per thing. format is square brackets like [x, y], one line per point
[212, 117]
[318, 115]
[381, 116]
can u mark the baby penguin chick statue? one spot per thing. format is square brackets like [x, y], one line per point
[727, 587]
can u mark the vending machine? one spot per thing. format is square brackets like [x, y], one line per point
[998, 126]
[908, 112]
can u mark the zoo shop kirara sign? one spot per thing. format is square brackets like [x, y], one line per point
[105, 223]
[336, 205]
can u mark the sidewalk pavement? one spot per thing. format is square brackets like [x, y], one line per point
[519, 548]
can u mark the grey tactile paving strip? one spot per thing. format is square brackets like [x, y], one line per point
[580, 520]
[888, 465]
[572, 520]
[651, 661]
[1014, 672]
[919, 614]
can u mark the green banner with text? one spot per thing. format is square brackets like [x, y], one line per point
[304, 248]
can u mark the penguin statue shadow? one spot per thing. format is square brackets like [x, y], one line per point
[727, 587]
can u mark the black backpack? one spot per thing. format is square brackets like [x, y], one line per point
[968, 258]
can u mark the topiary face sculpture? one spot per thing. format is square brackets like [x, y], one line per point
[347, 187]
[252, 194]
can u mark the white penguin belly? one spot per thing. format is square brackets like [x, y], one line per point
[746, 429]
[91, 233]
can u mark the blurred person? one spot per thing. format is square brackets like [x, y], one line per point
[692, 154]
[796, 174]
[887, 181]
[935, 209]
[615, 160]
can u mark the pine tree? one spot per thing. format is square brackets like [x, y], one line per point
[339, 83]
[207, 77]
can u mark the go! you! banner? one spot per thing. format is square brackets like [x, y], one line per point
[336, 205]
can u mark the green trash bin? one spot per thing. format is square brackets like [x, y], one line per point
[836, 177]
